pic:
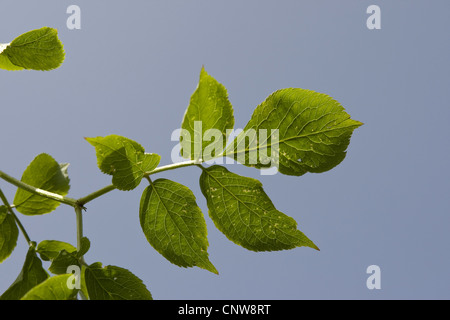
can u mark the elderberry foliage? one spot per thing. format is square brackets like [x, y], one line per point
[294, 131]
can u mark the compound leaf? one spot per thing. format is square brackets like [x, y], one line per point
[38, 49]
[43, 173]
[243, 212]
[31, 275]
[208, 116]
[54, 288]
[8, 233]
[114, 283]
[124, 159]
[296, 130]
[174, 225]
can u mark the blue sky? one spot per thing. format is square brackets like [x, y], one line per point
[131, 70]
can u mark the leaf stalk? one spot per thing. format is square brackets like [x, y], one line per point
[37, 191]
[21, 227]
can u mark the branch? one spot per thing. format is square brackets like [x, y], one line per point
[94, 195]
[21, 227]
[37, 191]
[79, 216]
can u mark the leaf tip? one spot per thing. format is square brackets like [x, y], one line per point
[89, 139]
[213, 269]
[203, 72]
[313, 246]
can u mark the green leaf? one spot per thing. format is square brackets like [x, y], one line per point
[50, 249]
[296, 130]
[209, 108]
[31, 275]
[62, 254]
[8, 233]
[114, 283]
[124, 159]
[242, 210]
[174, 225]
[54, 288]
[46, 174]
[62, 261]
[5, 63]
[85, 246]
[37, 49]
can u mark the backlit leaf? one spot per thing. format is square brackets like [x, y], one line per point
[124, 159]
[31, 275]
[209, 108]
[114, 283]
[296, 130]
[85, 246]
[174, 225]
[242, 210]
[61, 254]
[62, 261]
[46, 174]
[8, 233]
[49, 249]
[54, 288]
[38, 49]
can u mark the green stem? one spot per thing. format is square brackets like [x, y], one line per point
[79, 217]
[200, 166]
[21, 227]
[173, 166]
[94, 195]
[37, 191]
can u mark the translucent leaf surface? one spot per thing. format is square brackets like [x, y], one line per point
[114, 283]
[174, 225]
[62, 261]
[209, 108]
[46, 174]
[38, 49]
[124, 159]
[54, 288]
[8, 233]
[296, 130]
[242, 210]
[31, 275]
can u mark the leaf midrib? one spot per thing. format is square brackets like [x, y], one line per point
[290, 138]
